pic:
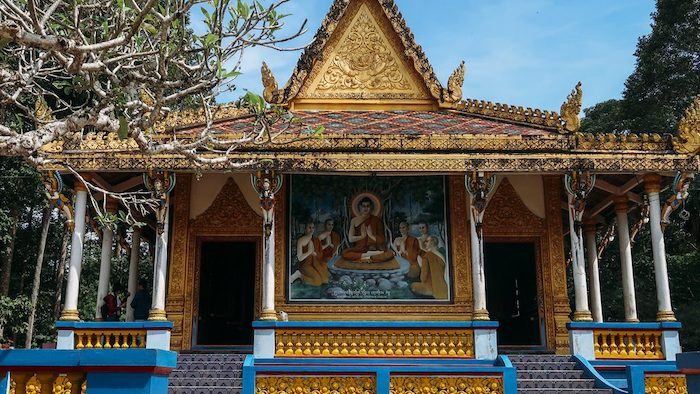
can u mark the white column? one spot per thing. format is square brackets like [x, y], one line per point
[478, 274]
[70, 307]
[160, 268]
[578, 264]
[105, 262]
[133, 270]
[623, 236]
[593, 271]
[652, 185]
[268, 307]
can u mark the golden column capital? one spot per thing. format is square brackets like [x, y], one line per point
[621, 204]
[652, 183]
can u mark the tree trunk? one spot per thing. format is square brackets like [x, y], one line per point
[45, 223]
[8, 255]
[60, 274]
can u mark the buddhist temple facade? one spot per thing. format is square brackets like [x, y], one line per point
[391, 218]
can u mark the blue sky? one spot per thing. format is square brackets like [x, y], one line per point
[528, 53]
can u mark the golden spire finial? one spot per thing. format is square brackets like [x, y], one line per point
[455, 83]
[688, 139]
[570, 111]
[42, 112]
[269, 82]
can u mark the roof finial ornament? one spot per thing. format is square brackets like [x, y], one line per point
[455, 83]
[570, 110]
[688, 138]
[270, 84]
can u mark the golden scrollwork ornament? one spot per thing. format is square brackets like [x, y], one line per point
[570, 110]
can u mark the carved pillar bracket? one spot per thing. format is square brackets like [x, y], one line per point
[578, 185]
[55, 193]
[680, 186]
[160, 184]
[267, 183]
[479, 186]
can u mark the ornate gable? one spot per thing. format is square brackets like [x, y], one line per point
[363, 57]
[229, 210]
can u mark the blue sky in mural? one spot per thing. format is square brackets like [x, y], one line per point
[528, 53]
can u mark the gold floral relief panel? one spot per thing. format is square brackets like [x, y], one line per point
[459, 308]
[316, 384]
[665, 384]
[445, 384]
[364, 59]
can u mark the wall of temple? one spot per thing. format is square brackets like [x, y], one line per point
[224, 206]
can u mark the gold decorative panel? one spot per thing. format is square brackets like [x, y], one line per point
[442, 343]
[316, 384]
[662, 384]
[364, 60]
[620, 344]
[445, 384]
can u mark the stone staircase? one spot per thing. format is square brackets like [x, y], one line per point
[207, 373]
[549, 374]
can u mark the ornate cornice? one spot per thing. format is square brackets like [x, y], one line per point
[512, 113]
[390, 162]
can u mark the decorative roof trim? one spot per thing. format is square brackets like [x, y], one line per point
[688, 139]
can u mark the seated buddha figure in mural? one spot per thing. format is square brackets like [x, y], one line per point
[408, 247]
[432, 276]
[330, 241]
[367, 237]
[312, 270]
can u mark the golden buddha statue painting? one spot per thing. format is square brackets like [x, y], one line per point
[368, 238]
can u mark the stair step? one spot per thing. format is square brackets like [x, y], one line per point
[551, 374]
[206, 382]
[545, 366]
[211, 357]
[204, 390]
[192, 366]
[202, 374]
[556, 383]
[537, 358]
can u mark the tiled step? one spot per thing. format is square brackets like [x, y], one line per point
[194, 366]
[211, 357]
[545, 366]
[206, 382]
[537, 358]
[204, 390]
[205, 374]
[552, 374]
[556, 384]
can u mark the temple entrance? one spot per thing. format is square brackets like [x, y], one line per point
[511, 293]
[226, 293]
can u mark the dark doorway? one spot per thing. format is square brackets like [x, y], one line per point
[511, 292]
[226, 293]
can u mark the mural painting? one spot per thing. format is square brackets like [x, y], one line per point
[382, 239]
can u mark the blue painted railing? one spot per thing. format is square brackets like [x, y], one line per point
[132, 371]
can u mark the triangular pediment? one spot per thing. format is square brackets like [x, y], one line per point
[363, 57]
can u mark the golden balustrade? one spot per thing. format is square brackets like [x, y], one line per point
[443, 343]
[47, 382]
[110, 339]
[628, 344]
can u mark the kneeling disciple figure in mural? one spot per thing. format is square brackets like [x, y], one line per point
[432, 275]
[330, 241]
[312, 270]
[366, 234]
[408, 247]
